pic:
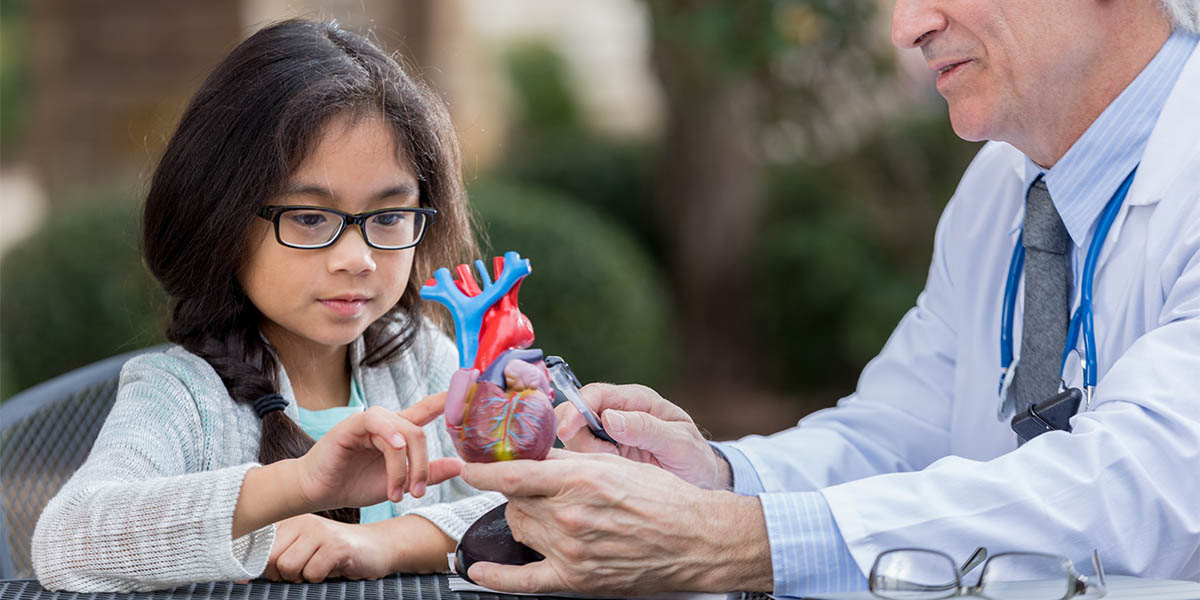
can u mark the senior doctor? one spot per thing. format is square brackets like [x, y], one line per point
[1075, 96]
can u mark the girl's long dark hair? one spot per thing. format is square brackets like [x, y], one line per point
[251, 124]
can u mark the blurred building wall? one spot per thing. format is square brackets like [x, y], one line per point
[110, 78]
[605, 43]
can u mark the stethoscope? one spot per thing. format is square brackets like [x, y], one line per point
[1083, 317]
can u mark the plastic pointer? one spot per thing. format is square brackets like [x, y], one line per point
[566, 385]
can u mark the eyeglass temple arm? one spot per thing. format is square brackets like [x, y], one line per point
[979, 555]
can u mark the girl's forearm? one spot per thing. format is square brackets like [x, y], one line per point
[269, 494]
[416, 545]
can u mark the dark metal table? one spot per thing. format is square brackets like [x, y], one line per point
[408, 587]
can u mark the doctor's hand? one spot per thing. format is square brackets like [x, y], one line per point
[649, 429]
[607, 525]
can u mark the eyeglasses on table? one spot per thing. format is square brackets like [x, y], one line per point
[921, 574]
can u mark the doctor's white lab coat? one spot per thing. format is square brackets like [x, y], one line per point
[917, 456]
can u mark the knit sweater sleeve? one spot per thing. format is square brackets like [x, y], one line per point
[151, 508]
[460, 503]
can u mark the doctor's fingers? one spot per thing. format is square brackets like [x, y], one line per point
[517, 478]
[575, 435]
[588, 552]
[564, 532]
[534, 578]
[564, 474]
[671, 442]
[633, 397]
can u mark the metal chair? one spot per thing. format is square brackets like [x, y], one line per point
[46, 433]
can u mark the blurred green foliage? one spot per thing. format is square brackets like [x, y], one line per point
[605, 248]
[786, 46]
[555, 149]
[845, 248]
[545, 100]
[76, 291]
[732, 38]
[594, 296]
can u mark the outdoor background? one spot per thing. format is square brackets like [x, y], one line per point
[732, 201]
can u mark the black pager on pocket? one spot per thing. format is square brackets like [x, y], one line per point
[1049, 415]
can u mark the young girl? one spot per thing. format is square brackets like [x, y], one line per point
[310, 188]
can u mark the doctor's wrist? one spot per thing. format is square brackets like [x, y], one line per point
[738, 555]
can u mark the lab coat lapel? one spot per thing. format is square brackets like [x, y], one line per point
[1175, 138]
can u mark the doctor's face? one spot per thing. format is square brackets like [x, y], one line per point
[1000, 62]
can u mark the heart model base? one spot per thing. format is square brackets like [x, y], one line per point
[489, 539]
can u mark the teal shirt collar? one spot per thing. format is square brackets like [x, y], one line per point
[316, 423]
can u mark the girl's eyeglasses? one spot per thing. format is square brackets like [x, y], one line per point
[313, 227]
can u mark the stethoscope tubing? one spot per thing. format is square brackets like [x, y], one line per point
[1083, 317]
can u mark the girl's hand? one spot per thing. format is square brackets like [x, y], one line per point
[373, 456]
[311, 548]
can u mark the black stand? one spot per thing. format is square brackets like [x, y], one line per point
[489, 539]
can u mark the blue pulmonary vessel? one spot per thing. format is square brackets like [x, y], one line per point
[468, 304]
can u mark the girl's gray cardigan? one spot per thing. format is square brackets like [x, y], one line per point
[152, 507]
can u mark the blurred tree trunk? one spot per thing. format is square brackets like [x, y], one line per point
[435, 40]
[709, 199]
[709, 195]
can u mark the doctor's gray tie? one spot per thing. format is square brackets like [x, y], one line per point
[1047, 304]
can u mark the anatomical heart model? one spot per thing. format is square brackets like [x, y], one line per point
[499, 403]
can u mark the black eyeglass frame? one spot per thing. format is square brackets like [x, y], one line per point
[272, 212]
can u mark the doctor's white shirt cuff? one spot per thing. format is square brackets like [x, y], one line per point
[808, 553]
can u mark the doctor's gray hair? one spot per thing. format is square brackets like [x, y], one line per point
[1184, 14]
